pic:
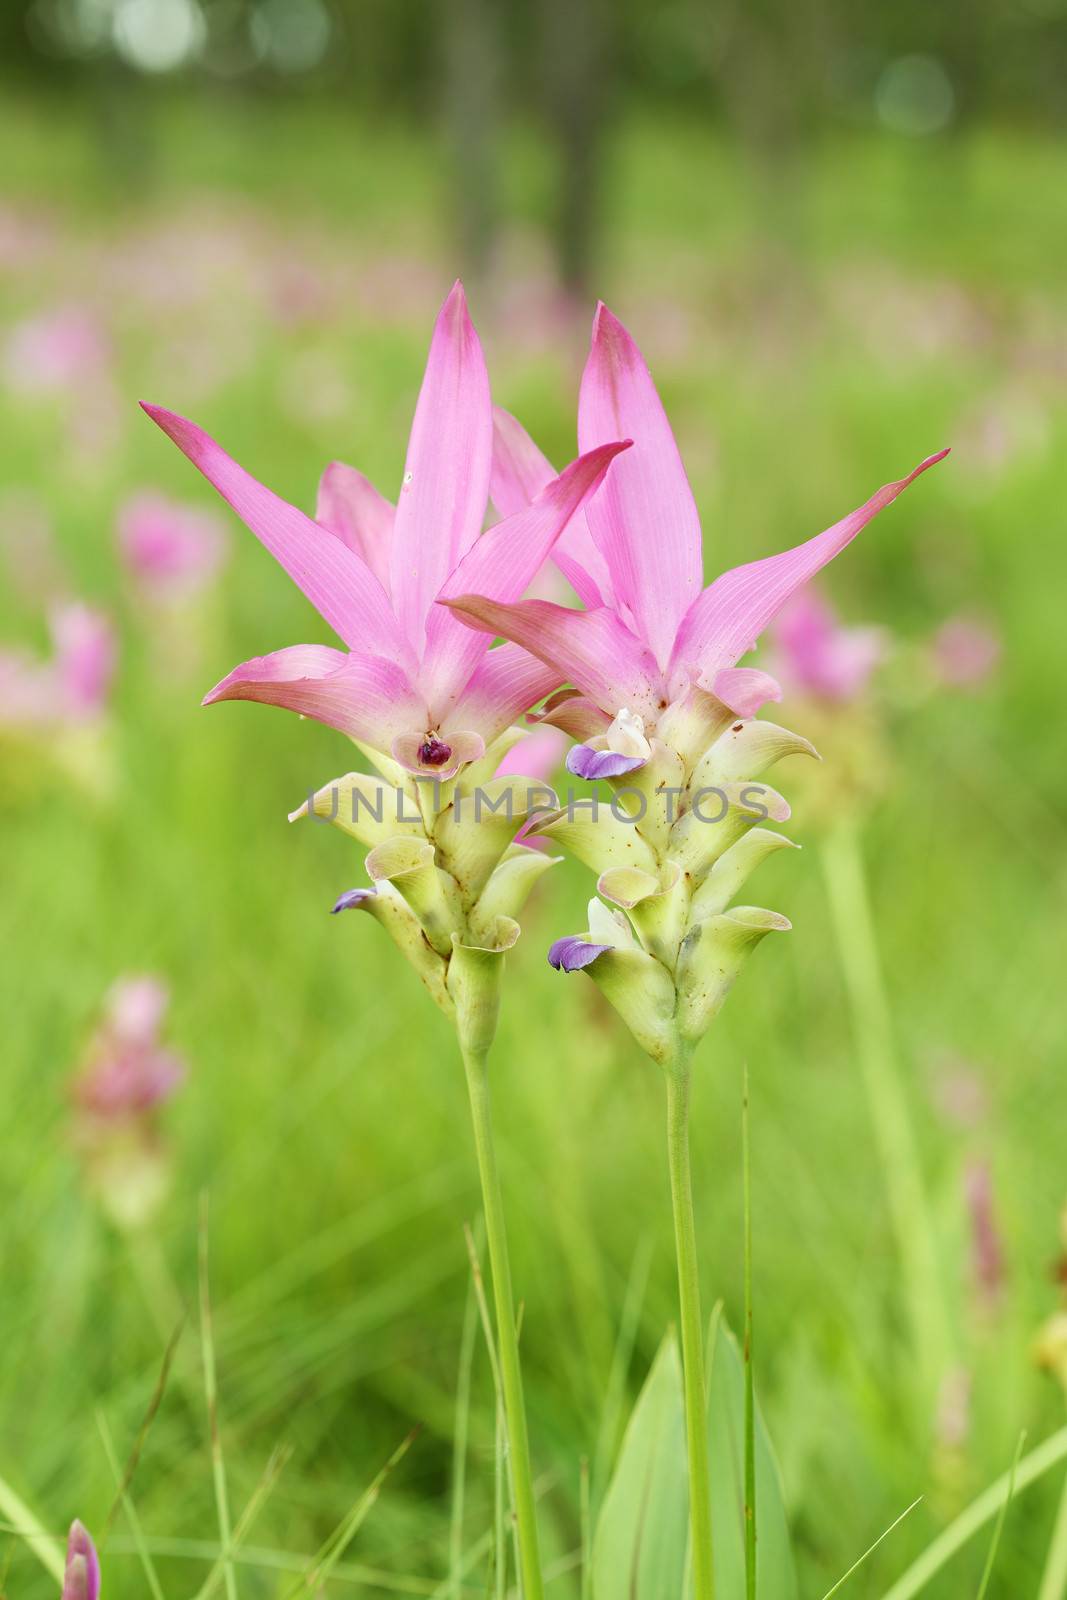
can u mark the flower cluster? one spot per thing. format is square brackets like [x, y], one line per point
[425, 699]
[664, 712]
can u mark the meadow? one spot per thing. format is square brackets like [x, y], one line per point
[272, 271]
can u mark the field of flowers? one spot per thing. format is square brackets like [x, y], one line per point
[217, 1094]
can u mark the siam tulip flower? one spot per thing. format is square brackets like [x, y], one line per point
[81, 1578]
[965, 652]
[171, 550]
[54, 711]
[666, 714]
[814, 655]
[55, 351]
[432, 706]
[126, 1077]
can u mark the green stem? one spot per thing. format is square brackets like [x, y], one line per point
[894, 1135]
[1054, 1578]
[696, 1411]
[476, 1065]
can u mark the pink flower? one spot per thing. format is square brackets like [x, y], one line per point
[987, 1254]
[47, 354]
[172, 550]
[81, 1577]
[814, 655]
[72, 687]
[413, 681]
[965, 652]
[651, 635]
[127, 1072]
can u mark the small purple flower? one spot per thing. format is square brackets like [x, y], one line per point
[585, 762]
[572, 953]
[81, 1579]
[352, 899]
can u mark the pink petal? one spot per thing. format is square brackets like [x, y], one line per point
[520, 472]
[443, 497]
[727, 619]
[500, 566]
[644, 520]
[350, 506]
[364, 696]
[339, 585]
[745, 689]
[508, 682]
[81, 1578]
[539, 755]
[593, 649]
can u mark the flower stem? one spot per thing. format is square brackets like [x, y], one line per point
[696, 1416]
[909, 1206]
[1054, 1577]
[476, 1065]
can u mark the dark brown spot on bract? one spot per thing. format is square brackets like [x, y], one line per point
[433, 752]
[738, 727]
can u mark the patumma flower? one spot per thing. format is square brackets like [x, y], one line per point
[662, 708]
[424, 697]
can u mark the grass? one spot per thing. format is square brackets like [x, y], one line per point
[325, 1110]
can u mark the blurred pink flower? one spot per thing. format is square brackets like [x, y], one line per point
[170, 549]
[539, 755]
[958, 1092]
[73, 686]
[987, 1254]
[814, 655]
[965, 652]
[46, 354]
[127, 1072]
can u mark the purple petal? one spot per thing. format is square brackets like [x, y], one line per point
[572, 953]
[644, 519]
[586, 762]
[727, 619]
[338, 583]
[442, 501]
[352, 899]
[81, 1580]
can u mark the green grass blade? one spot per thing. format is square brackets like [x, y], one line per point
[977, 1514]
[1054, 1577]
[25, 1525]
[142, 1435]
[856, 1565]
[276, 1464]
[322, 1566]
[127, 1505]
[218, 1467]
[750, 1388]
[586, 1523]
[994, 1546]
[460, 1436]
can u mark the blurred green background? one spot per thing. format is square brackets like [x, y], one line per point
[838, 237]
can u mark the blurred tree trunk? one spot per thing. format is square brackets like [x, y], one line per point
[472, 69]
[576, 76]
